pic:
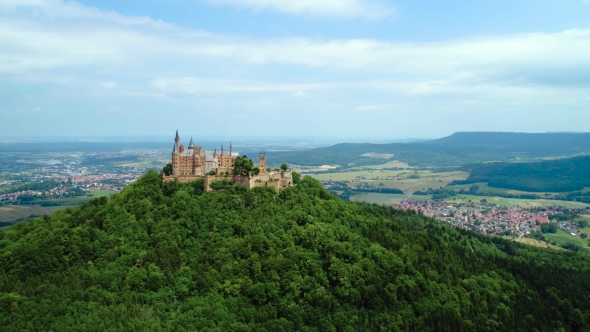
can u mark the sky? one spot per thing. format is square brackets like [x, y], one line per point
[362, 69]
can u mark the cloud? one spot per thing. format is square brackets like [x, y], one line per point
[299, 94]
[109, 58]
[90, 38]
[196, 85]
[109, 85]
[336, 8]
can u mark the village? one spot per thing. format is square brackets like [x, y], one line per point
[494, 219]
[59, 181]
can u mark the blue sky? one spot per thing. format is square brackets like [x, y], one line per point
[331, 68]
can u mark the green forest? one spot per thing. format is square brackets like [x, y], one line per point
[172, 257]
[559, 175]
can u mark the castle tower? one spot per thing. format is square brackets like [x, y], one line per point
[191, 145]
[177, 139]
[230, 148]
[262, 162]
[175, 160]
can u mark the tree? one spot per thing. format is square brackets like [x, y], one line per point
[296, 177]
[255, 171]
[284, 167]
[243, 165]
[167, 169]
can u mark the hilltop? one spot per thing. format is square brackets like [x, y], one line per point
[171, 257]
[458, 149]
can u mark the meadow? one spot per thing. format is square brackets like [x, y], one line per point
[515, 201]
[386, 199]
[535, 243]
[562, 237]
[102, 192]
[10, 213]
[483, 187]
[401, 179]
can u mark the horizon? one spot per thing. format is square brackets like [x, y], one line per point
[208, 140]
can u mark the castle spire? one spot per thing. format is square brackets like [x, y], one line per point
[230, 148]
[177, 137]
[192, 143]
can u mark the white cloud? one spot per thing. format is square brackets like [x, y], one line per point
[300, 94]
[107, 55]
[109, 85]
[196, 85]
[337, 8]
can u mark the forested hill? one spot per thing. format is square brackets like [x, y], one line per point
[458, 149]
[173, 258]
[560, 175]
[531, 144]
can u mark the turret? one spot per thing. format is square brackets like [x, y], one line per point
[175, 159]
[262, 162]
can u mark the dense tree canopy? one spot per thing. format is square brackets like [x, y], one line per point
[559, 175]
[170, 257]
[243, 165]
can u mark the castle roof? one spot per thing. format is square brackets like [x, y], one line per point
[191, 144]
[177, 137]
[175, 149]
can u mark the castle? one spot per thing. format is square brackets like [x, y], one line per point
[193, 163]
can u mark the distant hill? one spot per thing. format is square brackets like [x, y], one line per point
[560, 175]
[170, 257]
[458, 149]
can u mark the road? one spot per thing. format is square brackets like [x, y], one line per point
[518, 229]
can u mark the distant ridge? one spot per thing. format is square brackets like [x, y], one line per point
[460, 148]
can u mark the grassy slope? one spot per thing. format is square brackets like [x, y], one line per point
[10, 213]
[562, 237]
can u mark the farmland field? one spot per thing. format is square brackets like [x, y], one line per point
[103, 192]
[562, 237]
[516, 201]
[401, 179]
[483, 187]
[10, 213]
[536, 243]
[387, 199]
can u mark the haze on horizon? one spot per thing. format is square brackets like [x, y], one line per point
[336, 68]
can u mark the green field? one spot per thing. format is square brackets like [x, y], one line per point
[483, 186]
[103, 192]
[401, 179]
[10, 213]
[562, 237]
[387, 199]
[515, 201]
[60, 207]
[78, 199]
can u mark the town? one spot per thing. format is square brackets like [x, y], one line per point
[67, 175]
[494, 219]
